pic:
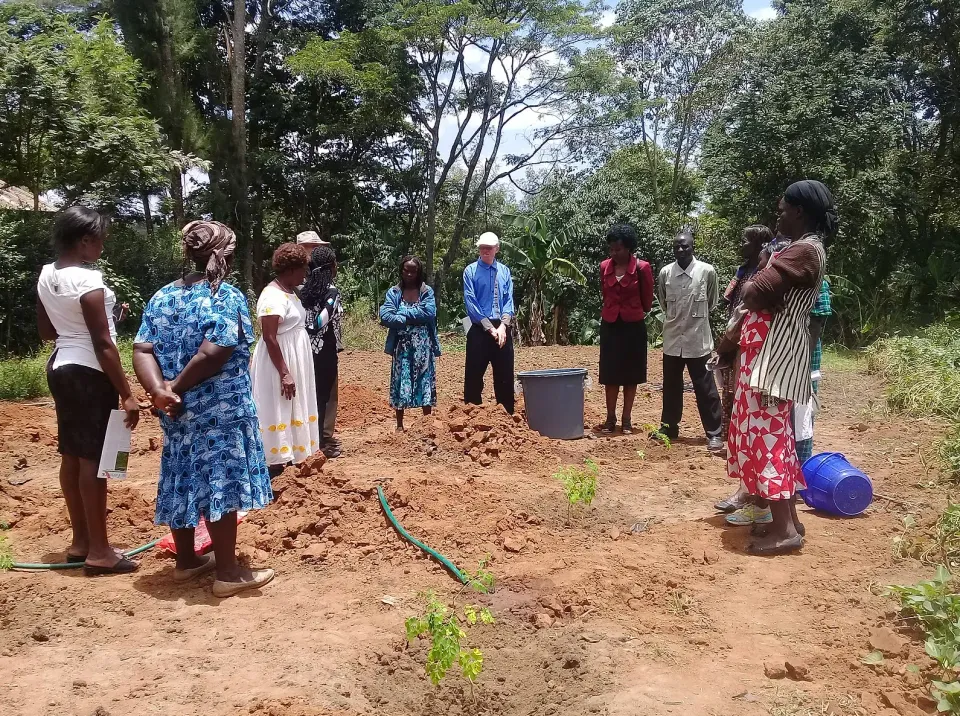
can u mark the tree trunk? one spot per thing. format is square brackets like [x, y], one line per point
[536, 317]
[238, 72]
[147, 216]
[176, 198]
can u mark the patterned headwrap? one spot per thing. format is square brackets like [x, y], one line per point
[212, 241]
[814, 198]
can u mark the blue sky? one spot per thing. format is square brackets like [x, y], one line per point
[518, 136]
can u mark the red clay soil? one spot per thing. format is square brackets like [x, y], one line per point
[645, 603]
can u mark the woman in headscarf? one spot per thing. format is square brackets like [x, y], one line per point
[324, 315]
[282, 371]
[410, 312]
[752, 241]
[774, 371]
[192, 355]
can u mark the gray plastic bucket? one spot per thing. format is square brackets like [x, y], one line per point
[554, 401]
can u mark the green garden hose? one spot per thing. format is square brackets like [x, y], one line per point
[75, 565]
[451, 567]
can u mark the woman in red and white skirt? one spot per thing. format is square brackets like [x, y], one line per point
[774, 369]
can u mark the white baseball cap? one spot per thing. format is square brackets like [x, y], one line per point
[311, 237]
[488, 239]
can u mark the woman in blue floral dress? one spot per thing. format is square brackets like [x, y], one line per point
[410, 312]
[192, 355]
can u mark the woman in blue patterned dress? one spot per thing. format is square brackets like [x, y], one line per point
[410, 312]
[192, 355]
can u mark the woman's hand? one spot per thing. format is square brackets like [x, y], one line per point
[166, 401]
[132, 408]
[288, 388]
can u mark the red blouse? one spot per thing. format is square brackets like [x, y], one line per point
[630, 298]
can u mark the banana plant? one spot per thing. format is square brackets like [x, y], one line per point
[540, 252]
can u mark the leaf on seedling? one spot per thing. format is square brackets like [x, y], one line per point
[913, 668]
[874, 657]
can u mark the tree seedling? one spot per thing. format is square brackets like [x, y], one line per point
[482, 581]
[579, 483]
[443, 627]
[6, 555]
[657, 434]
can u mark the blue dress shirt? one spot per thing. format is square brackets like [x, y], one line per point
[478, 292]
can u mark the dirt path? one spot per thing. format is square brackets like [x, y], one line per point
[590, 617]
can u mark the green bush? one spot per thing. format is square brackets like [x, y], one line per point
[23, 378]
[922, 372]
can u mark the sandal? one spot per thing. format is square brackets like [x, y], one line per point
[76, 558]
[609, 426]
[758, 530]
[122, 566]
[793, 544]
[626, 427]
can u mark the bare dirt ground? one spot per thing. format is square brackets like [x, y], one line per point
[590, 617]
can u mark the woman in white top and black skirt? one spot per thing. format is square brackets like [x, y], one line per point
[76, 309]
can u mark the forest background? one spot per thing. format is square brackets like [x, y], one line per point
[412, 126]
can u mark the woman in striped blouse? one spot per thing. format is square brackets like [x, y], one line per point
[774, 370]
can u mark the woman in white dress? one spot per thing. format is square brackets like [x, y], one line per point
[283, 383]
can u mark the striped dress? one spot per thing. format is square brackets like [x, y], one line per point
[774, 372]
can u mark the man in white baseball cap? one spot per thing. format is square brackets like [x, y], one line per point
[488, 296]
[310, 240]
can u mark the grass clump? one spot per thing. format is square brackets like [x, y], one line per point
[922, 372]
[24, 378]
[923, 380]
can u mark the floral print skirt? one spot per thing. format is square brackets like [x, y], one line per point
[413, 377]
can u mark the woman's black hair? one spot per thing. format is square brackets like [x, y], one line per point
[411, 259]
[758, 234]
[73, 224]
[625, 234]
[322, 261]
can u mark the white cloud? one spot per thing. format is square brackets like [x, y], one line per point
[764, 13]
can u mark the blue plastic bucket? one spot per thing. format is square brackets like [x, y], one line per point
[553, 399]
[836, 486]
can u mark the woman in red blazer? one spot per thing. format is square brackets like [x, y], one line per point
[627, 286]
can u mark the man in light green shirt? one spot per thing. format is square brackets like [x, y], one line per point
[688, 291]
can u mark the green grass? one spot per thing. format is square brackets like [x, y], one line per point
[922, 372]
[26, 378]
[837, 359]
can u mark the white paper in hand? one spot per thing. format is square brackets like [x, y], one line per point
[116, 447]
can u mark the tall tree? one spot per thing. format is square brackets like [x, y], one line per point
[483, 69]
[677, 56]
[70, 112]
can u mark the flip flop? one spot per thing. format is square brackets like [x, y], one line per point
[791, 545]
[122, 566]
[760, 530]
[76, 558]
[626, 429]
[608, 427]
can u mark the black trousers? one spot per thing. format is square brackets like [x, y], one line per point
[325, 367]
[705, 388]
[482, 350]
